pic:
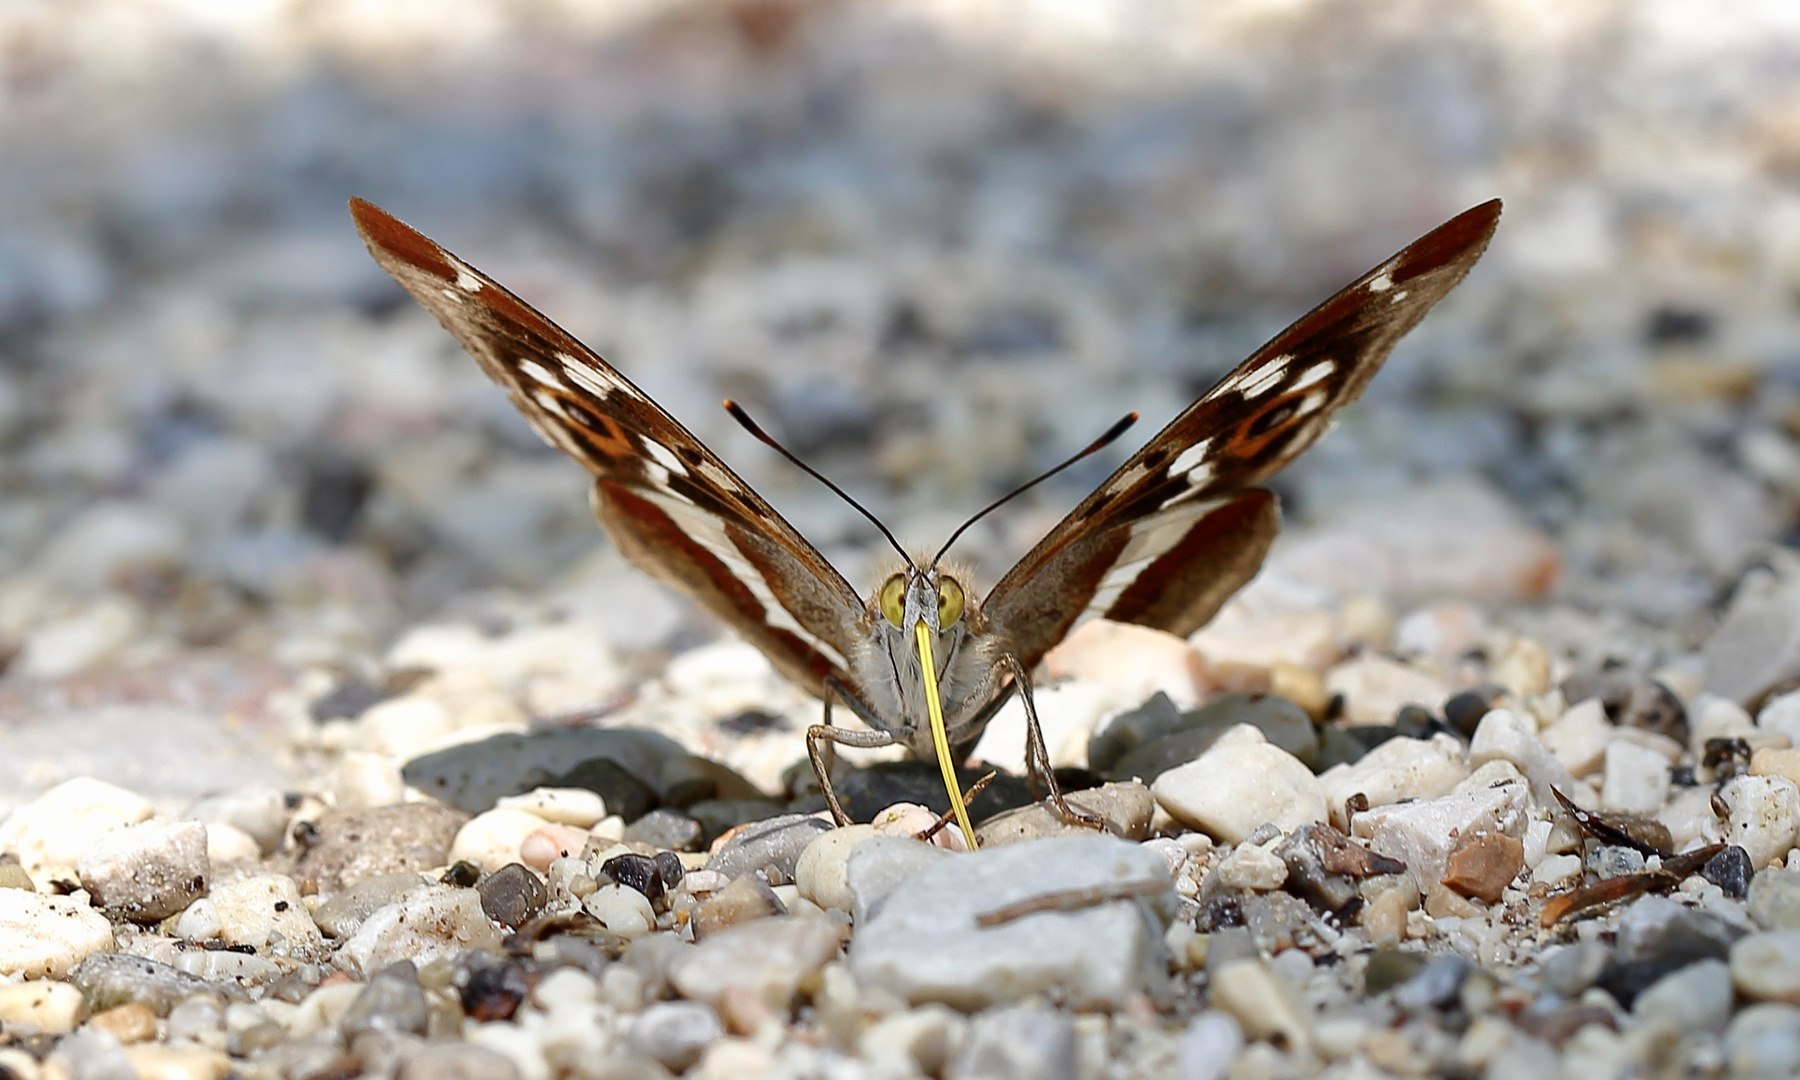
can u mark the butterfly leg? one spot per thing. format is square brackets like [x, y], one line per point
[820, 737]
[1037, 757]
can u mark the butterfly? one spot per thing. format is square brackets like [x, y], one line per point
[1163, 542]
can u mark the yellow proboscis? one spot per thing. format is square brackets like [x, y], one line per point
[939, 739]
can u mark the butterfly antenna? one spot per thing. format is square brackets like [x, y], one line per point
[1101, 443]
[737, 413]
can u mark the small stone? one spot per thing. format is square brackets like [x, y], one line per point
[1503, 736]
[1436, 986]
[1127, 731]
[1780, 715]
[1766, 966]
[1524, 668]
[1482, 865]
[145, 873]
[493, 839]
[512, 895]
[1696, 998]
[492, 988]
[1757, 643]
[1125, 809]
[348, 846]
[668, 829]
[1261, 1004]
[1763, 1042]
[1773, 761]
[128, 1023]
[650, 876]
[1240, 646]
[552, 842]
[435, 921]
[746, 899]
[1612, 862]
[770, 847]
[1023, 1042]
[621, 909]
[45, 936]
[1325, 867]
[1774, 899]
[1375, 688]
[1389, 968]
[109, 980]
[1572, 968]
[575, 806]
[1730, 870]
[1579, 737]
[675, 1033]
[253, 910]
[1657, 936]
[1395, 771]
[13, 876]
[1764, 816]
[1282, 723]
[1239, 784]
[1637, 780]
[769, 959]
[458, 1061]
[1442, 902]
[1464, 710]
[1251, 868]
[49, 1008]
[52, 832]
[227, 845]
[1443, 632]
[913, 1042]
[867, 791]
[822, 871]
[339, 916]
[1422, 834]
[473, 776]
[154, 1061]
[262, 812]
[923, 942]
[1132, 661]
[391, 1002]
[877, 867]
[1654, 707]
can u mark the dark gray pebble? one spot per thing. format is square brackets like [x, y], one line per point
[772, 847]
[512, 895]
[664, 828]
[1730, 871]
[391, 1002]
[625, 795]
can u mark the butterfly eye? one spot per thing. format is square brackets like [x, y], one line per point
[893, 599]
[950, 603]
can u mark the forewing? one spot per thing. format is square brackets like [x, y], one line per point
[672, 506]
[1181, 525]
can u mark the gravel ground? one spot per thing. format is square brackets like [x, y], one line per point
[334, 739]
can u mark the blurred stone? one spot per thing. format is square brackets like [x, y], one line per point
[746, 899]
[348, 846]
[1019, 1042]
[1125, 808]
[1579, 737]
[437, 920]
[1637, 780]
[1763, 816]
[671, 830]
[769, 959]
[474, 776]
[45, 936]
[770, 847]
[1375, 688]
[512, 895]
[1774, 899]
[1240, 647]
[1766, 966]
[1757, 645]
[1240, 783]
[1422, 834]
[52, 832]
[1134, 661]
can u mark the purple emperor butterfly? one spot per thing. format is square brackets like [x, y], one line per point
[1162, 543]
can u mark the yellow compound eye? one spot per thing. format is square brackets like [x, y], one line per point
[950, 603]
[893, 599]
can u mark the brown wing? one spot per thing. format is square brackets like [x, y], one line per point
[672, 506]
[1182, 525]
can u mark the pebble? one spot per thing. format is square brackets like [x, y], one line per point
[1397, 770]
[438, 920]
[652, 876]
[390, 1002]
[1763, 1042]
[1422, 834]
[493, 839]
[1696, 998]
[1326, 868]
[768, 959]
[227, 845]
[544, 846]
[128, 1023]
[1774, 899]
[670, 830]
[1239, 784]
[344, 911]
[1731, 871]
[110, 980]
[350, 845]
[1483, 864]
[1657, 936]
[1503, 736]
[48, 1008]
[254, 910]
[562, 806]
[1636, 779]
[1375, 688]
[1757, 643]
[1023, 1042]
[1780, 715]
[1240, 646]
[674, 1033]
[43, 936]
[746, 899]
[1251, 868]
[155, 1061]
[923, 943]
[1208, 1046]
[1125, 808]
[145, 873]
[621, 909]
[913, 1042]
[822, 871]
[1764, 816]
[770, 847]
[1262, 1005]
[512, 895]
[1579, 737]
[262, 812]
[1766, 966]
[474, 776]
[52, 832]
[1436, 985]
[1569, 969]
[1133, 662]
[1776, 761]
[880, 865]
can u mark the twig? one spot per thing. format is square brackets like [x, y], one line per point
[1070, 900]
[950, 815]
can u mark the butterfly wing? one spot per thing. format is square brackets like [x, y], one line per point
[670, 504]
[1182, 524]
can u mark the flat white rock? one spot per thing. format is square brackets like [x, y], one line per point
[252, 910]
[1764, 816]
[1241, 782]
[1422, 834]
[45, 936]
[1503, 736]
[438, 920]
[1397, 769]
[1636, 779]
[924, 944]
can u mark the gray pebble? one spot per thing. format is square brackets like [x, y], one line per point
[881, 864]
[93, 1055]
[675, 1033]
[1434, 987]
[473, 776]
[458, 1061]
[260, 811]
[1570, 969]
[341, 915]
[1212, 1040]
[196, 1019]
[1763, 1043]
[512, 895]
[1228, 944]
[1774, 902]
[771, 846]
[349, 846]
[1611, 862]
[670, 830]
[1696, 998]
[392, 1002]
[1024, 1042]
[109, 979]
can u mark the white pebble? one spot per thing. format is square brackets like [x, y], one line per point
[491, 840]
[1251, 867]
[1241, 782]
[44, 936]
[437, 920]
[1397, 769]
[1780, 715]
[1636, 779]
[403, 726]
[1556, 869]
[1578, 738]
[1503, 736]
[227, 844]
[200, 922]
[563, 806]
[1251, 993]
[1375, 688]
[252, 910]
[769, 958]
[52, 832]
[1764, 816]
[821, 870]
[1132, 662]
[1714, 717]
[1240, 645]
[622, 910]
[49, 1008]
[1422, 834]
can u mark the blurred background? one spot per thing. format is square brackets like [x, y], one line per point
[934, 245]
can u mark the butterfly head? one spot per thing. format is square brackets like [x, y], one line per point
[931, 596]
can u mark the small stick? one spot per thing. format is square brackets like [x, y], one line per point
[950, 815]
[1070, 900]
